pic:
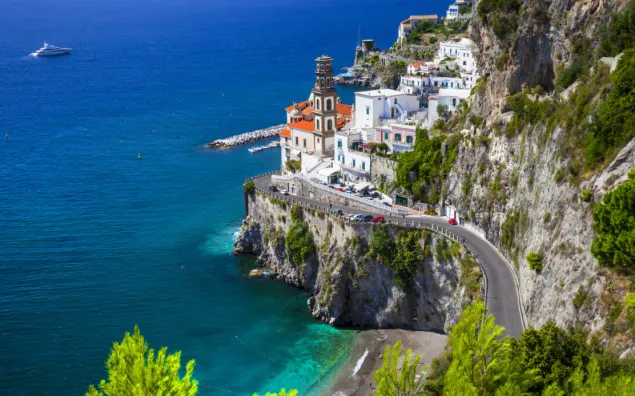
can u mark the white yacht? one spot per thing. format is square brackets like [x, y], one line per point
[51, 50]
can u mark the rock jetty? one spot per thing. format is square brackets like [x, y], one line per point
[247, 137]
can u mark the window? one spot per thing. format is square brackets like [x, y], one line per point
[397, 137]
[296, 141]
[339, 144]
[464, 63]
[367, 110]
[304, 143]
[454, 102]
[353, 163]
[317, 124]
[329, 104]
[409, 139]
[329, 125]
[386, 135]
[395, 100]
[363, 165]
[317, 103]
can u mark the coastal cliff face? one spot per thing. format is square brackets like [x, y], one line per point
[346, 286]
[518, 189]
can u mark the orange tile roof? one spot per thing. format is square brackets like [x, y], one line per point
[301, 106]
[418, 64]
[307, 111]
[303, 125]
[344, 109]
[285, 132]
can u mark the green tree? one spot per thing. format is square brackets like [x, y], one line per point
[293, 166]
[591, 383]
[249, 187]
[382, 246]
[135, 370]
[443, 111]
[383, 147]
[394, 379]
[482, 362]
[614, 225]
[299, 240]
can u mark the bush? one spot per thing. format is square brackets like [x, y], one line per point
[586, 195]
[631, 174]
[620, 33]
[630, 300]
[433, 39]
[382, 246]
[579, 298]
[249, 187]
[539, 90]
[614, 225]
[299, 241]
[547, 217]
[535, 261]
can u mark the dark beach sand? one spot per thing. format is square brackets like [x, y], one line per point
[428, 345]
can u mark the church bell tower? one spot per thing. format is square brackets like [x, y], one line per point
[324, 106]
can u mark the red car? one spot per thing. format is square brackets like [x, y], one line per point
[453, 221]
[340, 189]
[379, 219]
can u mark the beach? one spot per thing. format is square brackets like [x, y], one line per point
[356, 376]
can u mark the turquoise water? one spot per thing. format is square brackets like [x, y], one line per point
[94, 241]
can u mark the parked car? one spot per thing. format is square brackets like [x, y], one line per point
[379, 219]
[366, 217]
[273, 188]
[349, 188]
[340, 189]
[332, 186]
[337, 212]
[375, 194]
[350, 216]
[284, 192]
[386, 204]
[452, 221]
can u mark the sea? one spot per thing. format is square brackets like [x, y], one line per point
[113, 213]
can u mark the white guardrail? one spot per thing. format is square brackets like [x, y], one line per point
[352, 197]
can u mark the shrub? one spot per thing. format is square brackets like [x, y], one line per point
[631, 174]
[382, 246]
[630, 300]
[579, 298]
[433, 39]
[299, 241]
[535, 261]
[297, 213]
[539, 90]
[614, 225]
[249, 187]
[586, 195]
[547, 217]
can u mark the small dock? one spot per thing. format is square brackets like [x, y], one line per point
[247, 137]
[261, 148]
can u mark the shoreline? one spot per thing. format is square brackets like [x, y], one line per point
[355, 378]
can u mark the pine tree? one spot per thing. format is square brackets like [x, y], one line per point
[133, 373]
[405, 382]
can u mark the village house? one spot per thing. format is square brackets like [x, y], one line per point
[410, 24]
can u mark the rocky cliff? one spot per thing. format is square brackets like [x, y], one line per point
[521, 185]
[346, 286]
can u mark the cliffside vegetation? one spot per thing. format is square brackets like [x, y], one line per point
[429, 162]
[614, 218]
[403, 254]
[550, 361]
[299, 240]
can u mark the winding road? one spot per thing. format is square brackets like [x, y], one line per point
[502, 292]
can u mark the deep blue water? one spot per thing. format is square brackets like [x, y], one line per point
[94, 241]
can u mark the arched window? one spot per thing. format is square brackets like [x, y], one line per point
[328, 82]
[454, 102]
[322, 81]
[317, 103]
[329, 125]
[329, 104]
[317, 124]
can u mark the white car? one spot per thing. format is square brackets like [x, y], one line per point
[284, 192]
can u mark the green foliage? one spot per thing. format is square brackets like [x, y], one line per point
[535, 261]
[283, 392]
[547, 217]
[586, 195]
[407, 260]
[293, 166]
[299, 240]
[508, 228]
[443, 111]
[501, 61]
[614, 225]
[591, 383]
[433, 39]
[463, 9]
[579, 298]
[482, 362]
[249, 187]
[614, 123]
[479, 86]
[429, 165]
[135, 370]
[620, 33]
[630, 300]
[526, 111]
[398, 377]
[631, 174]
[582, 51]
[470, 276]
[382, 246]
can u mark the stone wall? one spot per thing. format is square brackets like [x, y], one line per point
[382, 167]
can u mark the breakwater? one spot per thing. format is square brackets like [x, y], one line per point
[247, 137]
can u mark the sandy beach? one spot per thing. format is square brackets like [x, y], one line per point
[356, 377]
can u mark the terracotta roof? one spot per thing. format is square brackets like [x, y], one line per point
[285, 132]
[303, 125]
[307, 111]
[301, 106]
[418, 64]
[344, 109]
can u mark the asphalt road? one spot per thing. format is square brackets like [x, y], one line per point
[502, 294]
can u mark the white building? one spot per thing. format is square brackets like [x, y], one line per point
[460, 50]
[452, 13]
[371, 107]
[449, 97]
[410, 24]
[418, 68]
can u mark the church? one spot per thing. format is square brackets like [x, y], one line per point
[311, 125]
